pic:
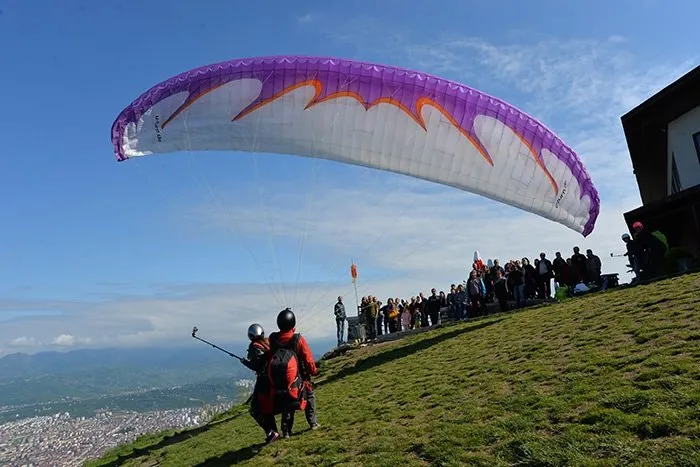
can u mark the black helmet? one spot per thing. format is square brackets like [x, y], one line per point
[286, 320]
[255, 331]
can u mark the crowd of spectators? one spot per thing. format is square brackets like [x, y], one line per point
[515, 284]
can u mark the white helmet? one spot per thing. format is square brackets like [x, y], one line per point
[255, 331]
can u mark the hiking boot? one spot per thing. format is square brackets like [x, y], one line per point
[272, 437]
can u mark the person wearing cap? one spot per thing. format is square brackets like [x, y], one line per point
[286, 322]
[256, 360]
[651, 248]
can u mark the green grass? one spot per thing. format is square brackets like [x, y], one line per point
[608, 379]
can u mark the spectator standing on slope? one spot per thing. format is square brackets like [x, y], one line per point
[578, 261]
[516, 283]
[474, 290]
[432, 307]
[500, 290]
[593, 267]
[558, 266]
[340, 317]
[544, 277]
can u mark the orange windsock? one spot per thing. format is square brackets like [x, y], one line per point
[353, 272]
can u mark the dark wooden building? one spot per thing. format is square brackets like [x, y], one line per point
[663, 137]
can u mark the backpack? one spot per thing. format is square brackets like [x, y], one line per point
[284, 373]
[662, 238]
[393, 312]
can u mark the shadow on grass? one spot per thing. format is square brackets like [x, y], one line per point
[233, 457]
[168, 440]
[243, 454]
[404, 351]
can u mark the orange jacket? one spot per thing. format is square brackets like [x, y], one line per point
[306, 359]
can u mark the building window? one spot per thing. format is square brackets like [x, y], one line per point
[696, 139]
[675, 178]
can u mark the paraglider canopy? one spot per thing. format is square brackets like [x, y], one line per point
[365, 114]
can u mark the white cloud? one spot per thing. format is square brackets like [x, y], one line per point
[222, 314]
[406, 235]
[398, 253]
[306, 18]
[68, 340]
[23, 341]
[64, 340]
[410, 225]
[580, 88]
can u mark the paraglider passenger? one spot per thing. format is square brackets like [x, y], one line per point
[256, 360]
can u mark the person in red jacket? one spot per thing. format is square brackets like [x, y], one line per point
[286, 322]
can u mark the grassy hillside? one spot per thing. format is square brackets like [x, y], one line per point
[609, 379]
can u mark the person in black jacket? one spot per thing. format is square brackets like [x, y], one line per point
[558, 266]
[651, 249]
[544, 276]
[500, 290]
[432, 308]
[516, 283]
[633, 256]
[340, 317]
[578, 261]
[530, 277]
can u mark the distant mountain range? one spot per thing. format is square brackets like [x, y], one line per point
[19, 365]
[88, 374]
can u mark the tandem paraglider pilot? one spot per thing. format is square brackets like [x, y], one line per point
[284, 384]
[292, 366]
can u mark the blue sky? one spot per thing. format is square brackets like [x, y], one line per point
[131, 253]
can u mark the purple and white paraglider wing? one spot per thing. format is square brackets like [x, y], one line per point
[365, 114]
